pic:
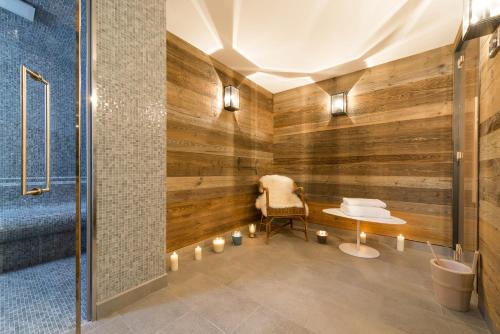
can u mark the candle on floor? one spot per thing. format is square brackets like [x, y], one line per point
[321, 236]
[218, 245]
[174, 262]
[197, 253]
[401, 243]
[362, 237]
[251, 230]
[236, 236]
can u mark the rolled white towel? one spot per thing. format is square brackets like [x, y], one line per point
[364, 211]
[376, 203]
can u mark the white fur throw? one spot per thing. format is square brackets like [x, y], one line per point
[281, 194]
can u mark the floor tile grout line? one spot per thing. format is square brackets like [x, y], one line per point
[189, 309]
[171, 323]
[248, 317]
[211, 322]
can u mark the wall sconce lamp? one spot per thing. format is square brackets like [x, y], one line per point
[494, 44]
[339, 104]
[480, 18]
[231, 98]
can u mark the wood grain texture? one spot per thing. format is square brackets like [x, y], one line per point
[214, 157]
[395, 144]
[489, 186]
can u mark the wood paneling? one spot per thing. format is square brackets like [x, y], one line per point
[489, 186]
[214, 157]
[395, 144]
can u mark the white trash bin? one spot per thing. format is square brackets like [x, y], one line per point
[453, 284]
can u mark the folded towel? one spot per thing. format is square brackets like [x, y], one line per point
[364, 211]
[364, 202]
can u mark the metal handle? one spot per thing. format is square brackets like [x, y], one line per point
[37, 77]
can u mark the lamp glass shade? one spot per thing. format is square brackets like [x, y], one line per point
[339, 104]
[231, 98]
[480, 17]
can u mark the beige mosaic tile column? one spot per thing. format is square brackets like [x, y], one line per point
[129, 148]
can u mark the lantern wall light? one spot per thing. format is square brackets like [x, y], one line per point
[339, 104]
[480, 17]
[231, 98]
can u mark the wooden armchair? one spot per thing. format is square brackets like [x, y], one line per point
[289, 213]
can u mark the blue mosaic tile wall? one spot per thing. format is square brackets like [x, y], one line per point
[39, 229]
[47, 46]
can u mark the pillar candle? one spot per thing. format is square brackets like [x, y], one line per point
[362, 237]
[174, 262]
[197, 253]
[218, 244]
[401, 243]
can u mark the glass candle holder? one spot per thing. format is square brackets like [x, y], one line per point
[218, 245]
[237, 238]
[362, 237]
[322, 236]
[251, 230]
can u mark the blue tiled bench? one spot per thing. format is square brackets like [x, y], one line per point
[37, 234]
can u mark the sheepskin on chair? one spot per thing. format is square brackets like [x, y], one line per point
[281, 194]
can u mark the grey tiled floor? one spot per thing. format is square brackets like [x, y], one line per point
[293, 286]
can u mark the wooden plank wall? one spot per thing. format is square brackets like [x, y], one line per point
[489, 185]
[214, 157]
[395, 144]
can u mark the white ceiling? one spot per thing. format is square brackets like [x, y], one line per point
[282, 44]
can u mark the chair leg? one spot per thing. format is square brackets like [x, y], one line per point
[305, 228]
[291, 223]
[268, 229]
[261, 222]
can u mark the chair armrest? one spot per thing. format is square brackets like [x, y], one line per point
[300, 192]
[266, 191]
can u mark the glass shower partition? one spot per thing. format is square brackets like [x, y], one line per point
[39, 153]
[465, 138]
